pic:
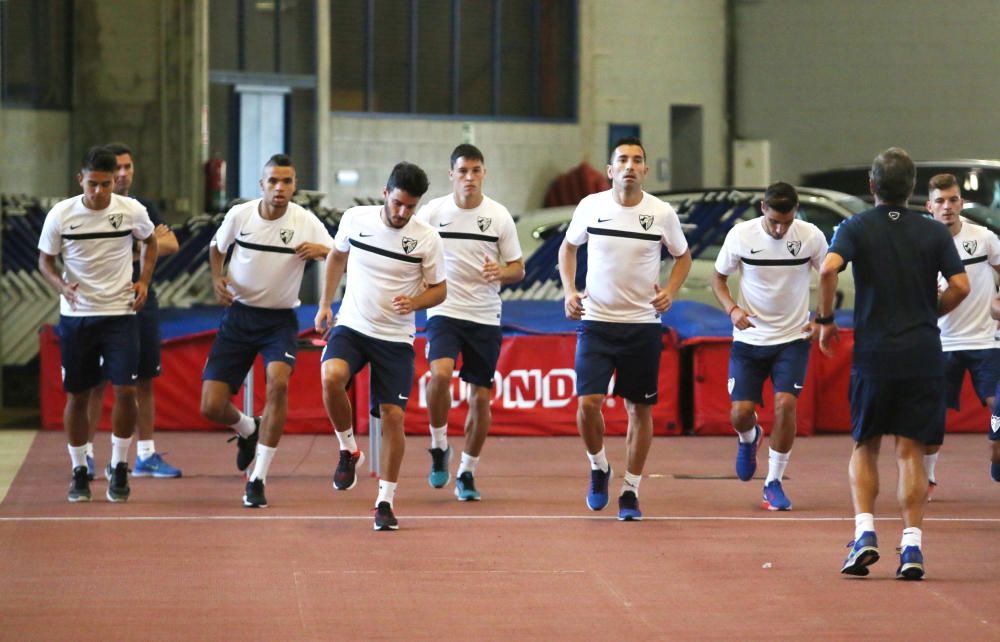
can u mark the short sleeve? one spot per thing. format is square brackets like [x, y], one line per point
[50, 240]
[672, 235]
[509, 245]
[993, 249]
[951, 262]
[843, 242]
[142, 225]
[433, 264]
[576, 233]
[226, 233]
[819, 249]
[728, 260]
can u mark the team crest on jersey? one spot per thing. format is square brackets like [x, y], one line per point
[894, 215]
[286, 235]
[484, 223]
[994, 423]
[409, 244]
[731, 384]
[970, 247]
[115, 220]
[646, 221]
[794, 247]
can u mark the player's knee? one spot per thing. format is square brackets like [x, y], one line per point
[439, 380]
[742, 417]
[591, 404]
[784, 403]
[277, 389]
[213, 408]
[125, 394]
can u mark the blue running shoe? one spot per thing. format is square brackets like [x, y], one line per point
[439, 475]
[154, 466]
[746, 456]
[911, 564]
[995, 471]
[628, 507]
[465, 488]
[597, 496]
[774, 497]
[91, 468]
[864, 553]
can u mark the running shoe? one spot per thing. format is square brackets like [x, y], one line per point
[746, 456]
[465, 488]
[384, 519]
[79, 486]
[774, 497]
[628, 507]
[911, 564]
[439, 475]
[118, 489]
[345, 477]
[154, 466]
[253, 496]
[864, 553]
[597, 495]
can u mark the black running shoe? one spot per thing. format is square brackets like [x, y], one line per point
[79, 486]
[246, 447]
[345, 477]
[118, 490]
[384, 519]
[253, 497]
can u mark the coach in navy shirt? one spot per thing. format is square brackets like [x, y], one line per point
[897, 377]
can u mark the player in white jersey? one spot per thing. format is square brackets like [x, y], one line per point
[481, 253]
[98, 334]
[771, 329]
[620, 331]
[967, 332]
[395, 266]
[271, 240]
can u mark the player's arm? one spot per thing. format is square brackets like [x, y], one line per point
[512, 272]
[216, 260]
[573, 300]
[166, 241]
[431, 296]
[148, 253]
[311, 251]
[47, 266]
[737, 315]
[958, 288]
[829, 274]
[664, 297]
[336, 263]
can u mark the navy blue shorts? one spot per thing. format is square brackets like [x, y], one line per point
[751, 365]
[912, 407]
[630, 351]
[391, 362]
[479, 345]
[245, 332]
[983, 366]
[97, 348]
[149, 342]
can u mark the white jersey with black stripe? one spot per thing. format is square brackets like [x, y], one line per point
[623, 254]
[774, 286]
[470, 236]
[969, 326]
[96, 250]
[264, 271]
[385, 262]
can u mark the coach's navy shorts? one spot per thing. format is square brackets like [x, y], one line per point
[478, 343]
[97, 348]
[391, 363]
[912, 407]
[983, 366]
[751, 365]
[149, 342]
[630, 351]
[244, 332]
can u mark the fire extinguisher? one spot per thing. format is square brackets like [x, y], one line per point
[215, 184]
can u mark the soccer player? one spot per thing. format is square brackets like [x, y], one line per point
[775, 254]
[481, 253]
[395, 266]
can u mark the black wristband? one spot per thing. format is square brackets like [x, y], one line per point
[827, 320]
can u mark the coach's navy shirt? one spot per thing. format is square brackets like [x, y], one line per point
[896, 255]
[154, 216]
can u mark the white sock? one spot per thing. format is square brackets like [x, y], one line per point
[630, 482]
[930, 462]
[776, 464]
[386, 492]
[439, 437]
[77, 455]
[911, 537]
[262, 462]
[144, 448]
[245, 426]
[863, 522]
[346, 439]
[119, 449]
[90, 448]
[468, 464]
[599, 461]
[747, 436]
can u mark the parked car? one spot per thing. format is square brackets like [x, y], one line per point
[707, 215]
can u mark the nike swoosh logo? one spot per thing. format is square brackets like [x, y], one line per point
[755, 251]
[605, 220]
[650, 395]
[403, 398]
[363, 235]
[73, 227]
[445, 224]
[290, 356]
[245, 233]
[797, 386]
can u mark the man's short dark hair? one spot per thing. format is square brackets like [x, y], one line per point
[942, 182]
[894, 175]
[409, 178]
[468, 152]
[99, 159]
[781, 197]
[279, 160]
[627, 140]
[120, 148]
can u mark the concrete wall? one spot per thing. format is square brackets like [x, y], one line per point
[833, 83]
[33, 154]
[636, 59]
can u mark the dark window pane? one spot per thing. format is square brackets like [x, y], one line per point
[298, 36]
[558, 59]
[348, 20]
[392, 56]
[517, 55]
[475, 57]
[36, 37]
[434, 23]
[302, 144]
[258, 35]
[223, 42]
